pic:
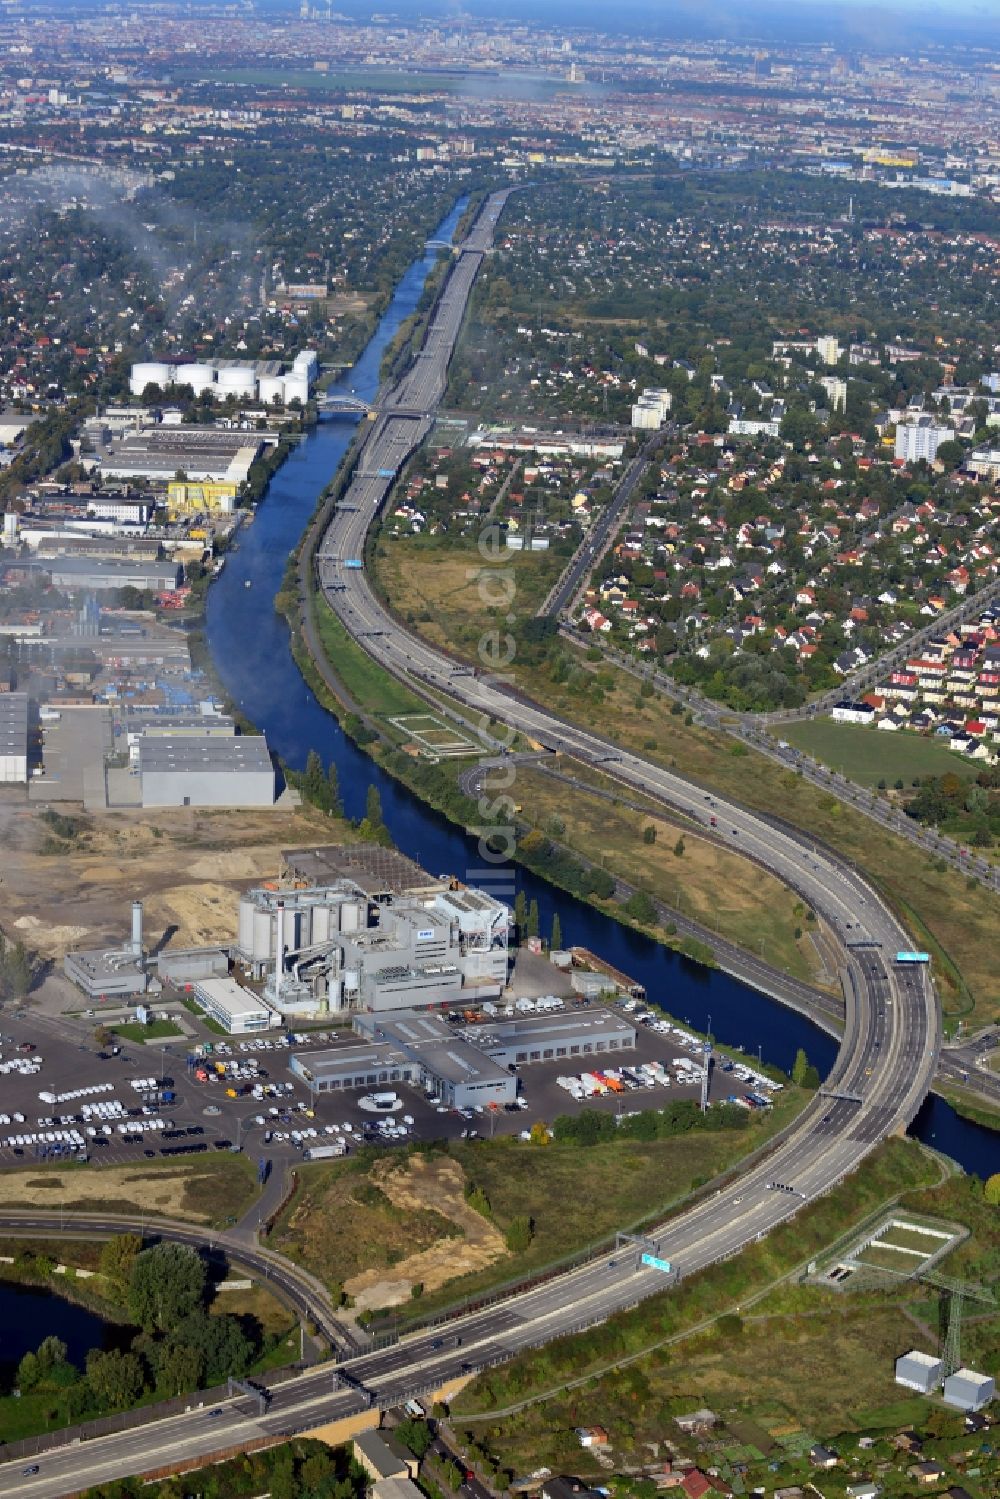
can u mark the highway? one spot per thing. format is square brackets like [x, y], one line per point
[883, 1069]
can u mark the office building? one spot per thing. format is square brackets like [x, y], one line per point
[239, 1011]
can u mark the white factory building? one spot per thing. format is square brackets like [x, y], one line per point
[265, 381]
[341, 950]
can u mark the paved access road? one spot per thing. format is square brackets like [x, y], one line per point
[886, 1060]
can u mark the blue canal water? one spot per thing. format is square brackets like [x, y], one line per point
[250, 648]
[28, 1315]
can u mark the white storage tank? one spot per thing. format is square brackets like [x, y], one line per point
[320, 924]
[296, 386]
[237, 380]
[307, 362]
[263, 943]
[271, 388]
[200, 377]
[245, 926]
[154, 373]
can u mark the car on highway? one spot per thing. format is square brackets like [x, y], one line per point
[29, 1471]
[216, 1412]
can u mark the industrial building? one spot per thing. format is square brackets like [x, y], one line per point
[107, 972]
[200, 454]
[967, 1390]
[239, 1011]
[13, 737]
[477, 1065]
[263, 380]
[204, 770]
[343, 948]
[97, 574]
[919, 1371]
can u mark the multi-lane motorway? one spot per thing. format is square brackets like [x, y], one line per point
[883, 1069]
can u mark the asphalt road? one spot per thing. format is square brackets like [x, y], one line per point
[883, 1069]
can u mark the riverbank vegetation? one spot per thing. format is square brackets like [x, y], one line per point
[171, 1337]
[403, 1221]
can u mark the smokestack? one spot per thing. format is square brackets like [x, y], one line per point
[137, 928]
[279, 953]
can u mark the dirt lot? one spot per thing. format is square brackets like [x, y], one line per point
[188, 865]
[437, 1185]
[397, 1223]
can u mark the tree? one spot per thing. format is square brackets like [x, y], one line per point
[102, 1036]
[991, 1192]
[679, 847]
[416, 1435]
[166, 1284]
[520, 911]
[179, 1368]
[799, 1068]
[118, 1255]
[335, 807]
[116, 1378]
[373, 807]
[50, 1353]
[556, 942]
[520, 1233]
[649, 834]
[28, 1373]
[533, 919]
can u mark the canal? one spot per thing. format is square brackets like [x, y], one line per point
[249, 643]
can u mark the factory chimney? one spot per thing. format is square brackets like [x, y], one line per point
[279, 951]
[137, 928]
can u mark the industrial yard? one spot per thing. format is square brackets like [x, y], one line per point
[71, 884]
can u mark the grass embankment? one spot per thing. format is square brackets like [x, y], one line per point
[212, 1189]
[373, 690]
[970, 1105]
[867, 755]
[690, 874]
[631, 1400]
[389, 1216]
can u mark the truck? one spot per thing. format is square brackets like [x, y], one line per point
[354, 563]
[325, 1152]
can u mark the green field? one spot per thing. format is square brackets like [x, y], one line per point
[156, 1030]
[868, 756]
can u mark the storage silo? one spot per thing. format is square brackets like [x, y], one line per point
[200, 377]
[237, 380]
[320, 924]
[271, 388]
[306, 363]
[262, 943]
[296, 386]
[245, 926]
[152, 373]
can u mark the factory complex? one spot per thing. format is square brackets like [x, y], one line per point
[384, 946]
[265, 381]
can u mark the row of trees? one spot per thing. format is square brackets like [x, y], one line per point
[676, 1118]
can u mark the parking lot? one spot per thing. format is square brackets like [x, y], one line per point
[63, 1098]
